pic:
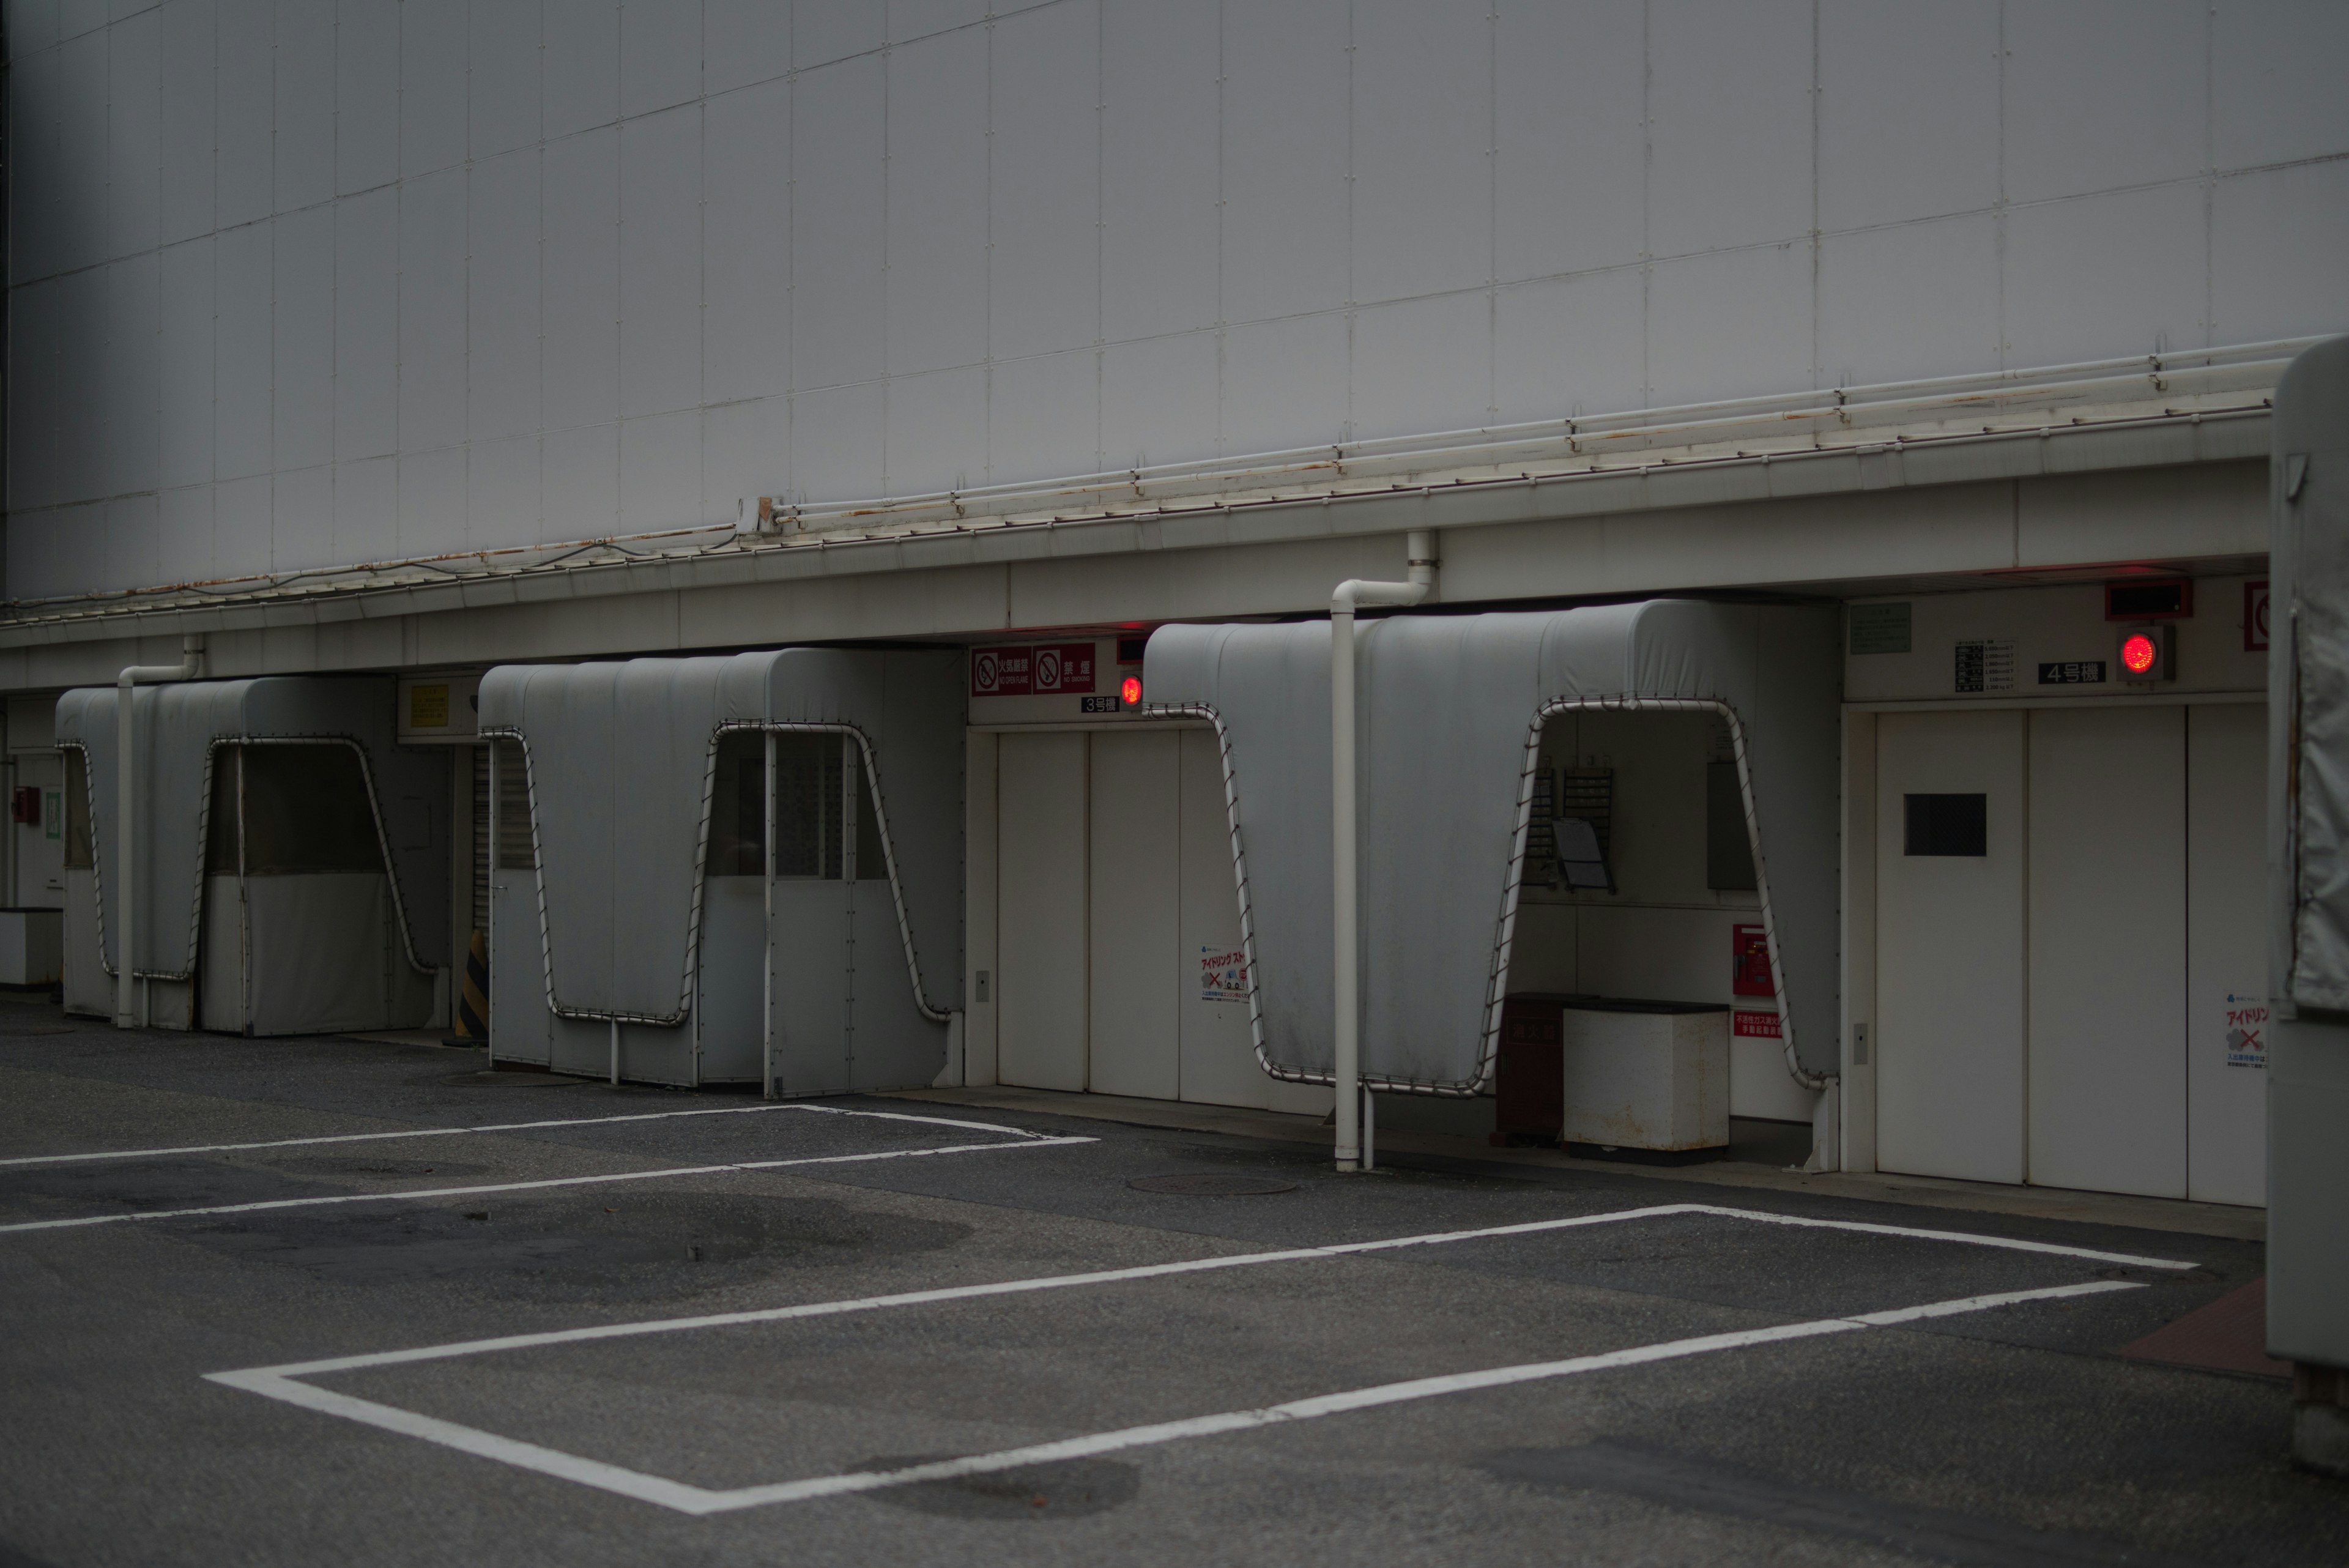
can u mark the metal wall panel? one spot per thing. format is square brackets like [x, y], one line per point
[1568, 345]
[503, 114]
[1044, 183]
[433, 502]
[581, 66]
[130, 386]
[838, 222]
[1720, 136]
[660, 471]
[936, 434]
[1284, 135]
[243, 104]
[134, 120]
[1910, 300]
[746, 236]
[1158, 399]
[937, 218]
[827, 30]
[301, 332]
[502, 298]
[1908, 109]
[2260, 289]
[1158, 212]
[301, 518]
[1049, 403]
[185, 122]
[836, 439]
[184, 534]
[1729, 324]
[501, 492]
[580, 305]
[2103, 275]
[80, 106]
[2103, 94]
[1285, 383]
[1422, 183]
[183, 363]
[303, 122]
[1422, 363]
[743, 41]
[367, 93]
[243, 411]
[366, 324]
[431, 310]
[660, 55]
[1570, 163]
[661, 262]
[2275, 73]
[433, 96]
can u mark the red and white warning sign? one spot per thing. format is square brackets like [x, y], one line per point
[1045, 669]
[1750, 1026]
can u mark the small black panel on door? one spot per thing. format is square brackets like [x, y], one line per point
[1948, 823]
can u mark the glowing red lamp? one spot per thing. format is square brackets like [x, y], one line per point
[2139, 654]
[1129, 692]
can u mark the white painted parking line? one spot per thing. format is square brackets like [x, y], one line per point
[280, 1382]
[414, 1194]
[514, 1126]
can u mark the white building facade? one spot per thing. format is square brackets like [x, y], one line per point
[414, 337]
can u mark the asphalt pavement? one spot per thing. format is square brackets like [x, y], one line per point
[322, 1299]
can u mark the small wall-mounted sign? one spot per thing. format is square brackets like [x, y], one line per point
[1223, 974]
[1985, 666]
[1750, 1026]
[2247, 1030]
[1046, 669]
[1880, 628]
[2255, 617]
[2073, 673]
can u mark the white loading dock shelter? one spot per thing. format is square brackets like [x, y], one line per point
[1455, 718]
[291, 859]
[736, 869]
[2055, 970]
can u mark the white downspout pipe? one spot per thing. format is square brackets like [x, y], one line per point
[126, 831]
[1344, 883]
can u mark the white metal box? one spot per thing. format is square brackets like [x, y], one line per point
[32, 946]
[1646, 1075]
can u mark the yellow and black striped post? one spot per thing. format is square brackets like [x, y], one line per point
[473, 999]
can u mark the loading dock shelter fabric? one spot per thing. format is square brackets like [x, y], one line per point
[177, 726]
[1447, 710]
[620, 757]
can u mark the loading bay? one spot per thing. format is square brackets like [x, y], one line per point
[361, 1301]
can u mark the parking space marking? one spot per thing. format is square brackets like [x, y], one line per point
[79, 1222]
[513, 1127]
[282, 1382]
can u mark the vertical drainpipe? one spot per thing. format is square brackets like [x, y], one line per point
[126, 852]
[1344, 880]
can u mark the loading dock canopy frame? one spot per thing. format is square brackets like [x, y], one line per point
[178, 729]
[620, 761]
[1448, 719]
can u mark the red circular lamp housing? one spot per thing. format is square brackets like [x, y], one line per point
[2138, 653]
[1129, 692]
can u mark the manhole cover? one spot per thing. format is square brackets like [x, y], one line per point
[1212, 1184]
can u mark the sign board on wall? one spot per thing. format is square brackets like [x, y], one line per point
[2255, 617]
[2247, 1030]
[1223, 974]
[1750, 1026]
[438, 708]
[1044, 670]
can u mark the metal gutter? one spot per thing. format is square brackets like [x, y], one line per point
[2202, 424]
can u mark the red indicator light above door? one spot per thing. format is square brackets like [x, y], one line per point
[2139, 654]
[1129, 692]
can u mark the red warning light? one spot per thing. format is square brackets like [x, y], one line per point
[2138, 653]
[1129, 692]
